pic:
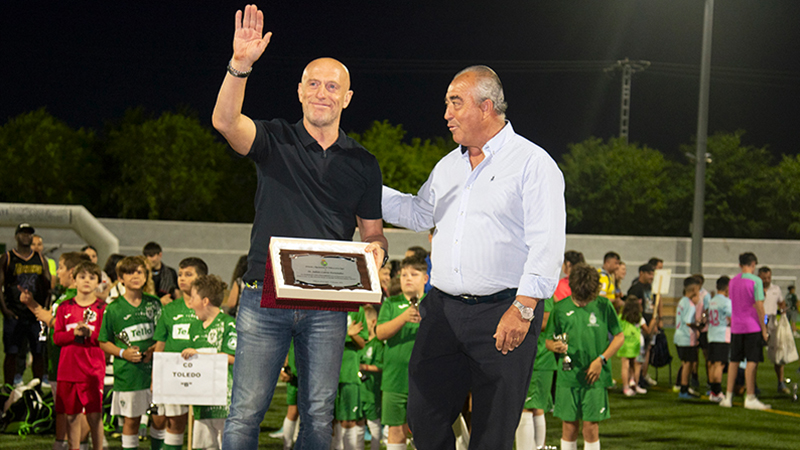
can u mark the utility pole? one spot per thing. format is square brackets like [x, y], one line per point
[702, 138]
[628, 69]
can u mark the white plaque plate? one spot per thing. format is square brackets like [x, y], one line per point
[324, 270]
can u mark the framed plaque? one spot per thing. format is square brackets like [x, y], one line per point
[337, 272]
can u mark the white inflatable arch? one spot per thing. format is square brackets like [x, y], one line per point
[75, 217]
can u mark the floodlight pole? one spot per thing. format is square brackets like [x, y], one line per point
[702, 138]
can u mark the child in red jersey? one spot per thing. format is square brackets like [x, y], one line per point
[82, 362]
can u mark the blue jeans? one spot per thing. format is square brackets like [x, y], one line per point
[263, 336]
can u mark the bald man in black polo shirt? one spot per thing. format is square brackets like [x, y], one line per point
[313, 182]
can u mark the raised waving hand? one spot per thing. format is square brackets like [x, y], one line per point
[249, 42]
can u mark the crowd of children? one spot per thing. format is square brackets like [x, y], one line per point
[87, 331]
[584, 325]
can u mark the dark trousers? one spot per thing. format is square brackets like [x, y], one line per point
[454, 353]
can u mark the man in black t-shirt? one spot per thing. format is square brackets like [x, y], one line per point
[165, 278]
[643, 290]
[23, 269]
[313, 182]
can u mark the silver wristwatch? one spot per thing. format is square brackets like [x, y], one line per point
[526, 311]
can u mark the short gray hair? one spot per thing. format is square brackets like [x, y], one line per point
[488, 87]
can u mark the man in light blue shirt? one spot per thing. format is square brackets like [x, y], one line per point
[497, 203]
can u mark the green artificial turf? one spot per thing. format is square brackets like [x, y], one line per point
[654, 421]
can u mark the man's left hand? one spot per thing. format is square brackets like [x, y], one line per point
[377, 251]
[511, 330]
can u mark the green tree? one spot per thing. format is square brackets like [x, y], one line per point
[405, 166]
[787, 195]
[169, 168]
[617, 188]
[741, 189]
[43, 160]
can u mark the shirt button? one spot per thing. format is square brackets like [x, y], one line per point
[455, 270]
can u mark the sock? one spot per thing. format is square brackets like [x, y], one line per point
[377, 434]
[396, 447]
[750, 398]
[336, 441]
[525, 435]
[539, 430]
[569, 445]
[684, 389]
[288, 431]
[592, 445]
[60, 445]
[173, 441]
[716, 388]
[130, 441]
[157, 438]
[84, 446]
[729, 396]
[354, 438]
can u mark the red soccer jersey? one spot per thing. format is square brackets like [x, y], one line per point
[79, 362]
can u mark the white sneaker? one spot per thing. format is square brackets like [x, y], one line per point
[755, 403]
[725, 402]
[716, 398]
[650, 381]
[639, 389]
[628, 392]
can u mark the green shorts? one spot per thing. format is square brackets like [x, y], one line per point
[291, 394]
[539, 396]
[371, 410]
[348, 402]
[582, 403]
[394, 407]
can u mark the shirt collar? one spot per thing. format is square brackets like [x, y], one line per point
[496, 143]
[307, 140]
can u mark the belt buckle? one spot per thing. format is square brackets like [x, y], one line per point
[469, 299]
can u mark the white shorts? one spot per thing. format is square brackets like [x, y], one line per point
[172, 410]
[131, 403]
[208, 433]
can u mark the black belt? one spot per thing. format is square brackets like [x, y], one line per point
[475, 299]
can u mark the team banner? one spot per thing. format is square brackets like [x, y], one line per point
[200, 380]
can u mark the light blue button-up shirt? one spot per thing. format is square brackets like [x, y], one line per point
[501, 225]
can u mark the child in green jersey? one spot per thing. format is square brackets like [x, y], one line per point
[212, 332]
[532, 426]
[127, 334]
[66, 265]
[172, 335]
[371, 362]
[398, 323]
[348, 433]
[633, 328]
[586, 320]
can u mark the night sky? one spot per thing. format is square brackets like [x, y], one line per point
[87, 62]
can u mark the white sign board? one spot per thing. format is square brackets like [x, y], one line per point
[661, 281]
[199, 380]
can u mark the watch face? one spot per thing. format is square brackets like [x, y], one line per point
[527, 313]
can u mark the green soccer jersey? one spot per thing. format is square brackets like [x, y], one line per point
[138, 323]
[173, 327]
[53, 350]
[397, 351]
[545, 359]
[587, 329]
[371, 354]
[350, 358]
[221, 336]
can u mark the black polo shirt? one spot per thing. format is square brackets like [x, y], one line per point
[306, 192]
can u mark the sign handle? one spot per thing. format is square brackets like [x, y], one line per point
[191, 426]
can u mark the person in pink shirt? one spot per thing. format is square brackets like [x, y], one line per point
[748, 332]
[571, 257]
